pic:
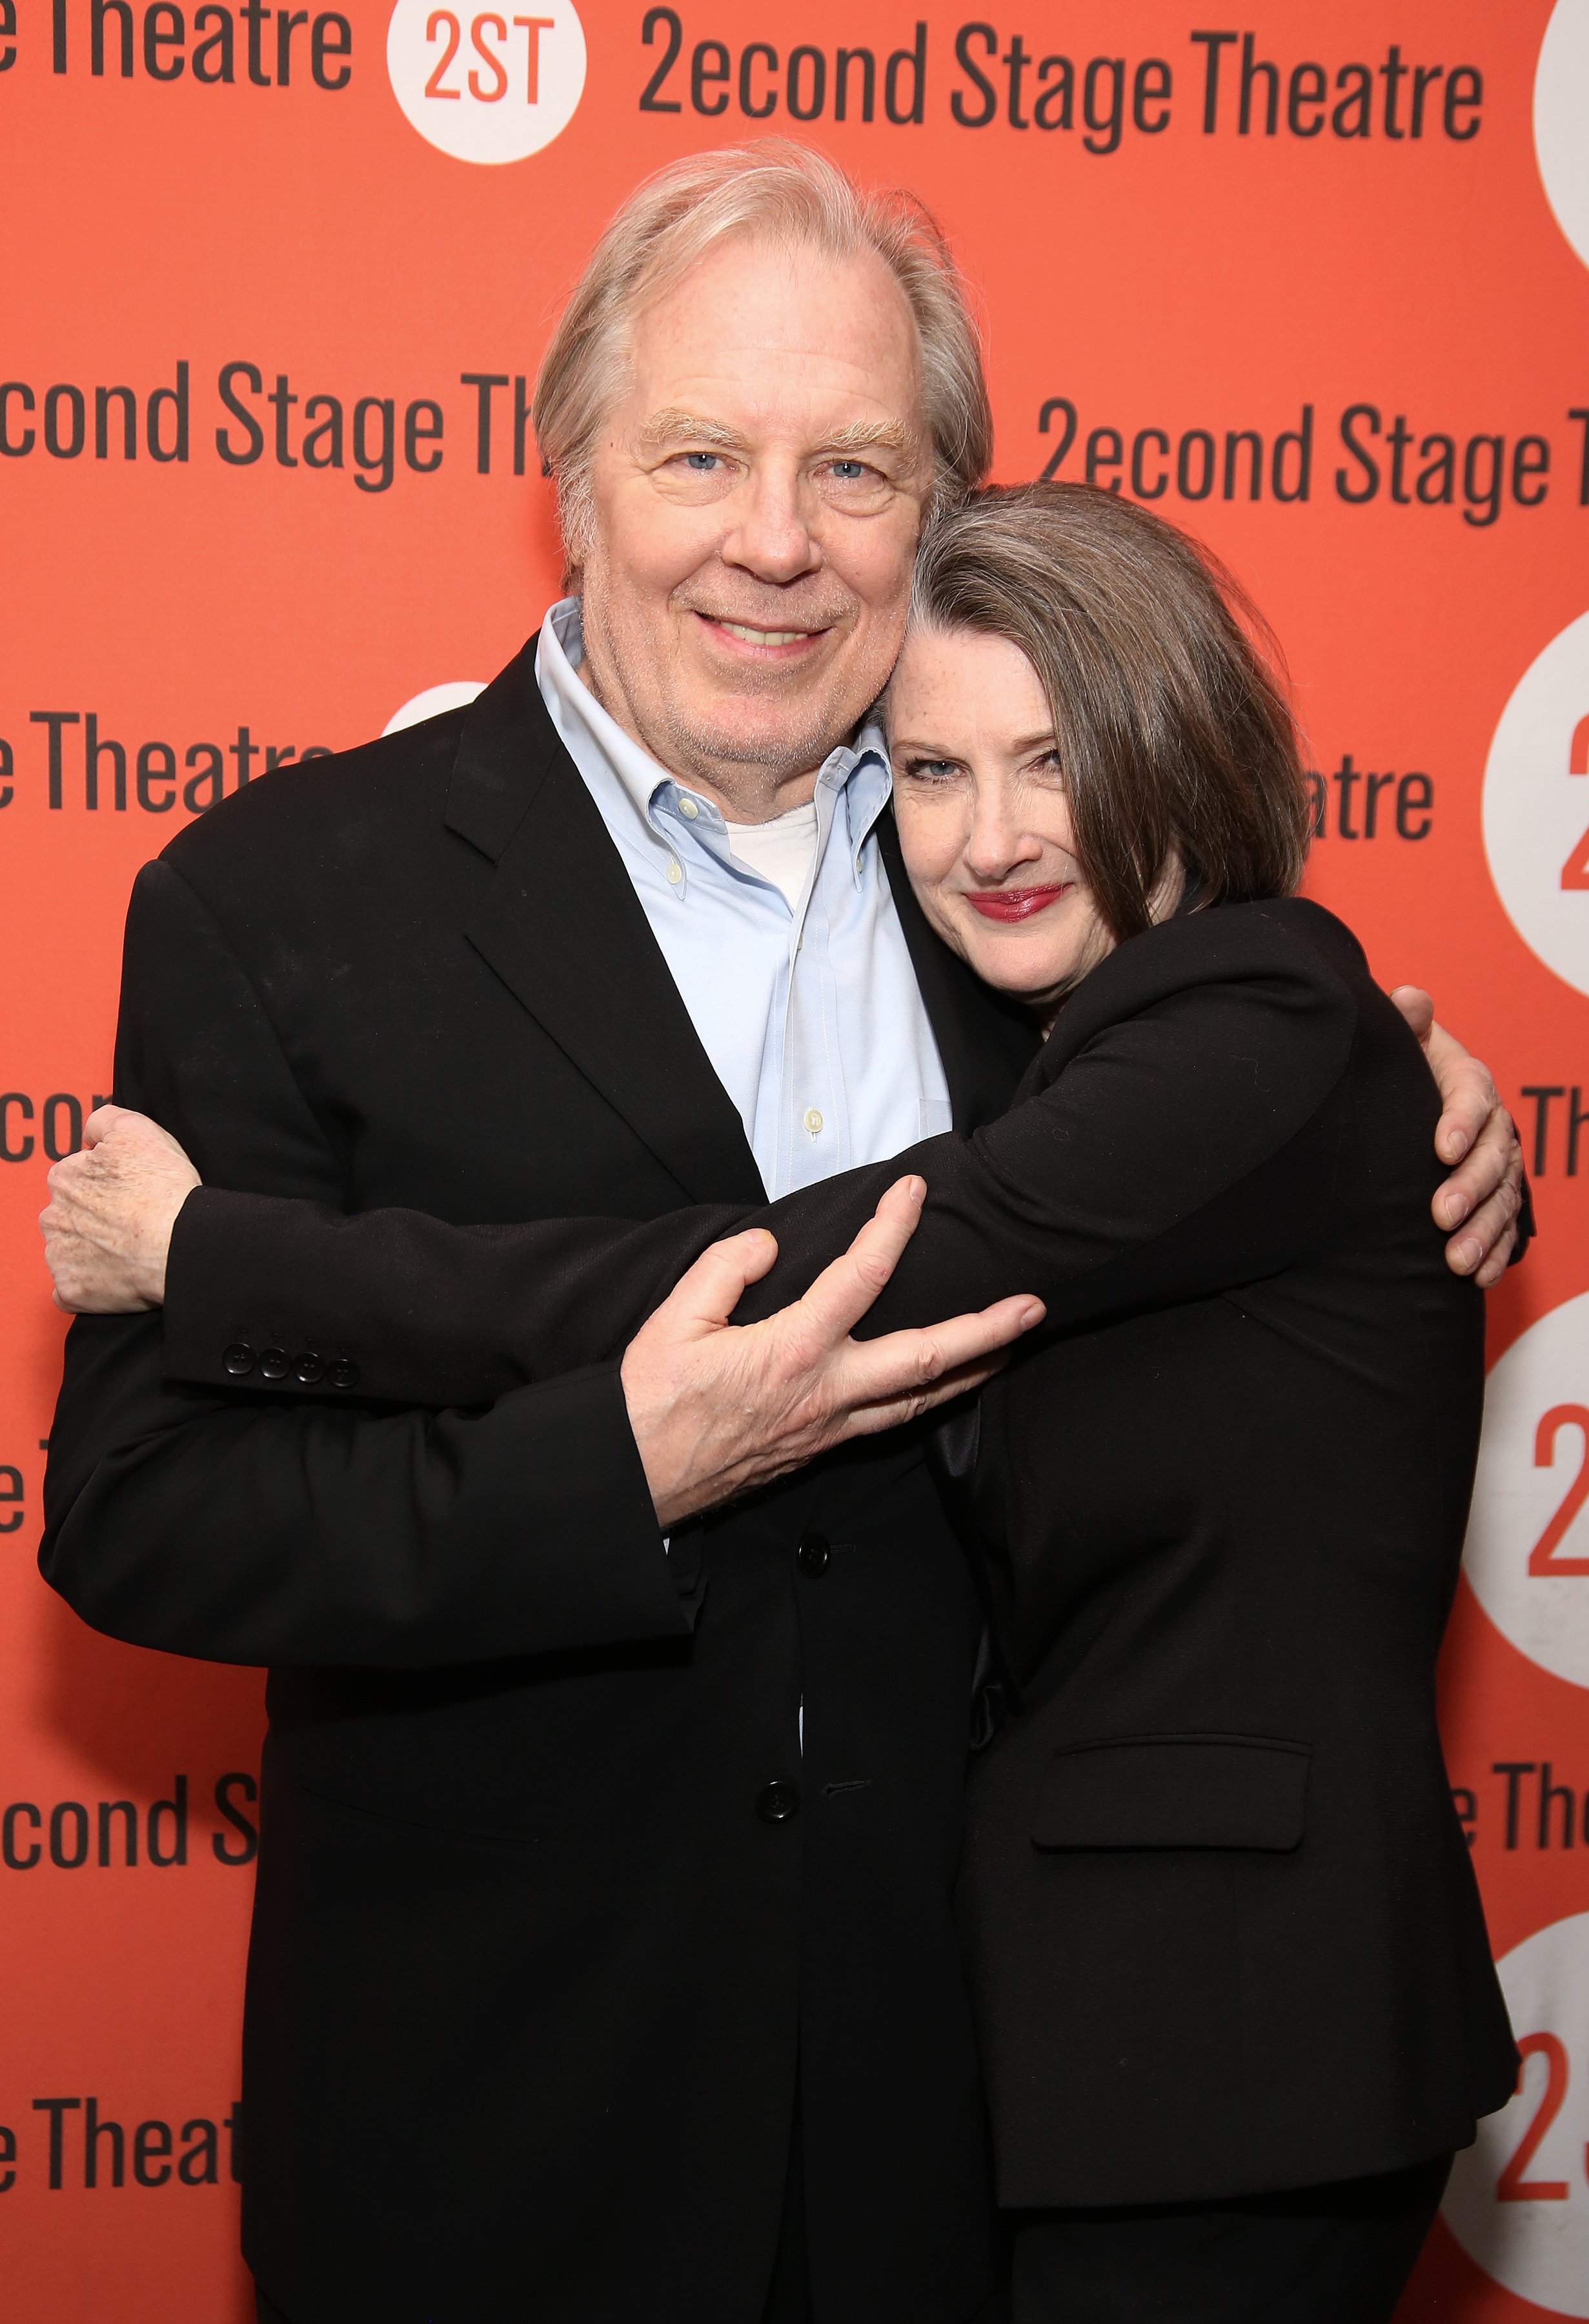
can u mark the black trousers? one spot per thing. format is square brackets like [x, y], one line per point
[1338, 2255]
[788, 2300]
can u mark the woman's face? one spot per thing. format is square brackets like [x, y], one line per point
[983, 819]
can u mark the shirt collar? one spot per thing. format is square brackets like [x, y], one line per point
[860, 771]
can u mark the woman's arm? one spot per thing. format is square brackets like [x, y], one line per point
[1133, 1177]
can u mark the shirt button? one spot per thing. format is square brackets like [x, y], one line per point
[813, 1554]
[237, 1360]
[813, 1120]
[688, 810]
[275, 1364]
[776, 1802]
[675, 875]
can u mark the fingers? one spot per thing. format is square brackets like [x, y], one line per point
[1483, 1248]
[707, 1294]
[843, 1291]
[1468, 1096]
[908, 1363]
[1417, 1008]
[1495, 1161]
[103, 1119]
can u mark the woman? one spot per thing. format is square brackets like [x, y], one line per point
[1235, 2001]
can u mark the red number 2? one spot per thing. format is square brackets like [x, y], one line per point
[432, 86]
[1542, 1557]
[1511, 2187]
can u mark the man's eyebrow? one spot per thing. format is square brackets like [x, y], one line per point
[873, 436]
[666, 427]
[672, 425]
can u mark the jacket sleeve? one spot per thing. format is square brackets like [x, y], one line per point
[253, 1529]
[1185, 1144]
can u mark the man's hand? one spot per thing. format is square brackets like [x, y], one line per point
[1484, 1197]
[719, 1409]
[111, 1208]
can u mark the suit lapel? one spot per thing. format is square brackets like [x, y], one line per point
[985, 1041]
[563, 929]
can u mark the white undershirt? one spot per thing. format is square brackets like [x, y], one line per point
[782, 850]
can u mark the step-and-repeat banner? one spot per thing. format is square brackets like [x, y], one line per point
[1310, 277]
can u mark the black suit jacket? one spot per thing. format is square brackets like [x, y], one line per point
[536, 1948]
[1224, 1931]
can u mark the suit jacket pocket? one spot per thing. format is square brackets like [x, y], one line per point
[1174, 1791]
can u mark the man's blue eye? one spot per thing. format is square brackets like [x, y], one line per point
[702, 462]
[850, 472]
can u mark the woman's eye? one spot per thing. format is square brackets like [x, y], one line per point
[931, 771]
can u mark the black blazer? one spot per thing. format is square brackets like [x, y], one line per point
[549, 1904]
[1224, 1932]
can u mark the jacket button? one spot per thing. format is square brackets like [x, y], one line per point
[309, 1369]
[813, 1554]
[776, 1802]
[275, 1364]
[237, 1360]
[342, 1373]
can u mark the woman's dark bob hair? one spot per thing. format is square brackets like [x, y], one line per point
[1172, 729]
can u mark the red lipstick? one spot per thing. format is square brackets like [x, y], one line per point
[1015, 903]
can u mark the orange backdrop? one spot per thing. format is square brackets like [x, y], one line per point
[1313, 275]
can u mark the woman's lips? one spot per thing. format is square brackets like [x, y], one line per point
[1015, 903]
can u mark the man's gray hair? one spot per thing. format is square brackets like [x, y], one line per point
[789, 193]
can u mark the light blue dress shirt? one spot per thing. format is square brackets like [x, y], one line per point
[810, 1014]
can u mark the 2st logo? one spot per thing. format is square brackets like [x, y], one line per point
[1518, 2199]
[1527, 1553]
[487, 85]
[1535, 803]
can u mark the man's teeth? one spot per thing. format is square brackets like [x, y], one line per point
[763, 637]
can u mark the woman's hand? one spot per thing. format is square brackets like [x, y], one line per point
[1485, 1196]
[108, 1227]
[717, 1409]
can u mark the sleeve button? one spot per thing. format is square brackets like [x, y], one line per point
[275, 1364]
[237, 1360]
[309, 1369]
[342, 1373]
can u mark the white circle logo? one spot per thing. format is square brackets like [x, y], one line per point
[1527, 1555]
[485, 87]
[1537, 806]
[432, 702]
[1561, 108]
[1518, 2200]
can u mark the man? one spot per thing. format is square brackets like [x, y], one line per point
[602, 1963]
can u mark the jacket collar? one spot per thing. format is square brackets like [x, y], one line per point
[608, 999]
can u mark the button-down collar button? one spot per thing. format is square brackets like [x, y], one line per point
[813, 1120]
[776, 1802]
[238, 1359]
[676, 872]
[275, 1364]
[342, 1373]
[689, 808]
[813, 1554]
[309, 1369]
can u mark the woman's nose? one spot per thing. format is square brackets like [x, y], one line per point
[997, 844]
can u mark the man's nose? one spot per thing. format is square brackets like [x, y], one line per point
[773, 537]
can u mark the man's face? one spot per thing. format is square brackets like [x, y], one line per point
[757, 497]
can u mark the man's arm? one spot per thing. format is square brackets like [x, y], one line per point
[254, 1528]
